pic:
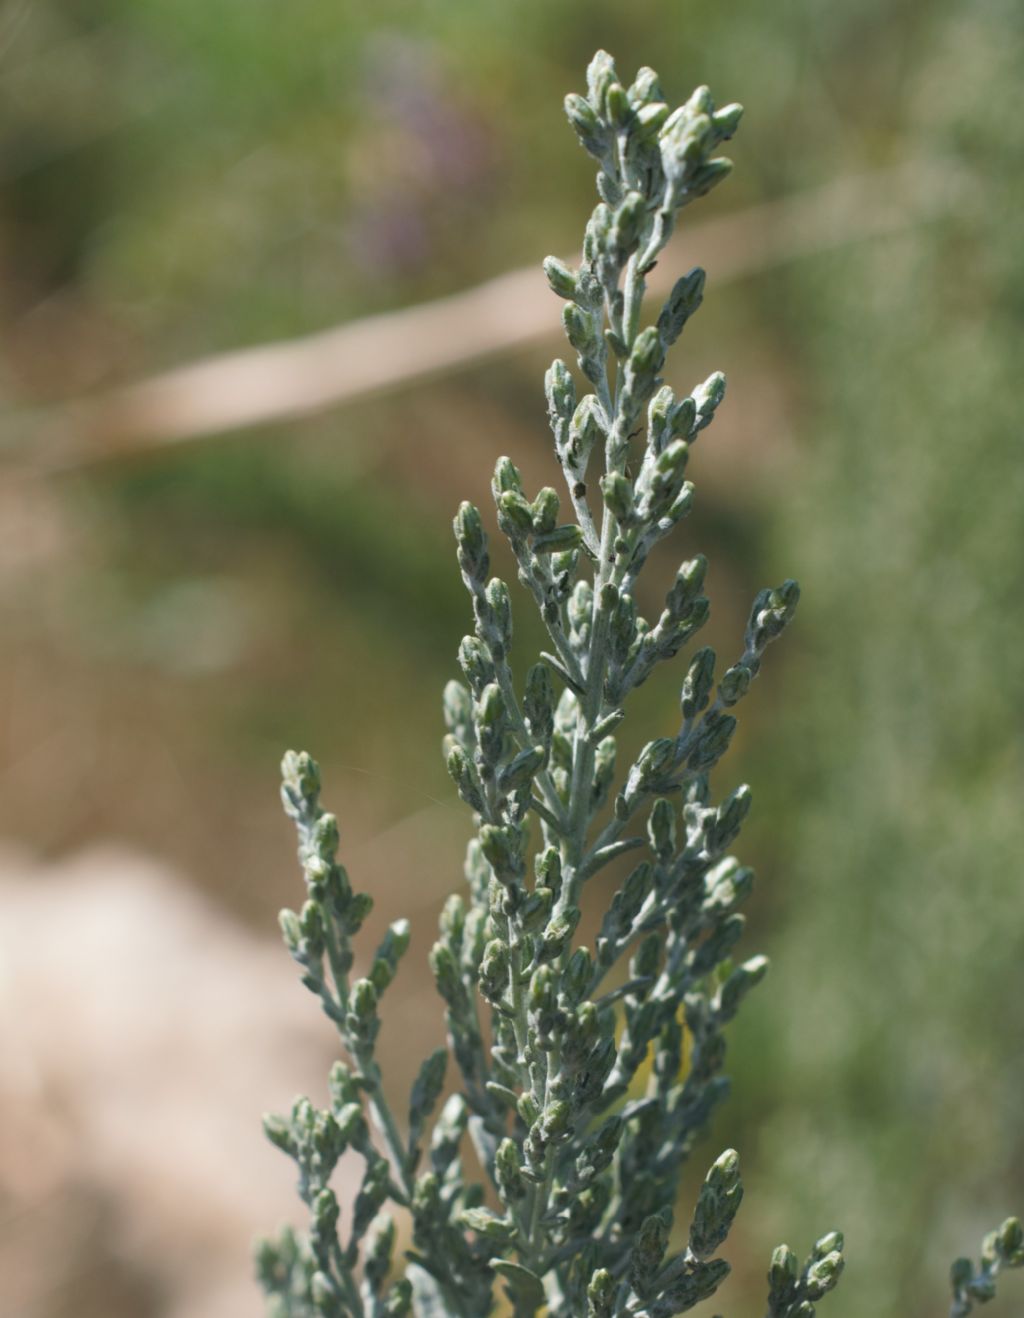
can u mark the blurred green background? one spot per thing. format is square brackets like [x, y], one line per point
[179, 178]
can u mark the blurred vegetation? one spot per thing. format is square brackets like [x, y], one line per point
[178, 178]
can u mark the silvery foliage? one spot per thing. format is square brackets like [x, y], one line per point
[599, 1067]
[1003, 1248]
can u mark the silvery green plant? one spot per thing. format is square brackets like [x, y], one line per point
[583, 1074]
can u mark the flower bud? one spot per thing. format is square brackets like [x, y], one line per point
[560, 278]
[735, 684]
[618, 496]
[823, 1274]
[661, 829]
[584, 120]
[560, 391]
[486, 1224]
[515, 516]
[508, 1171]
[601, 1295]
[646, 87]
[545, 511]
[628, 224]
[706, 399]
[472, 544]
[686, 296]
[727, 120]
[600, 77]
[709, 175]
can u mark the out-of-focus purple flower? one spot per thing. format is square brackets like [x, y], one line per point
[433, 159]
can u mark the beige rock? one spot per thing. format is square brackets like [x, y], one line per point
[143, 1033]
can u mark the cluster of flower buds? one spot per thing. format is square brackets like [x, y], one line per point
[792, 1289]
[568, 1201]
[1002, 1248]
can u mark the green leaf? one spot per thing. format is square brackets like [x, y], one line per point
[523, 1284]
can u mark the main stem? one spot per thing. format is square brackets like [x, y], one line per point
[580, 812]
